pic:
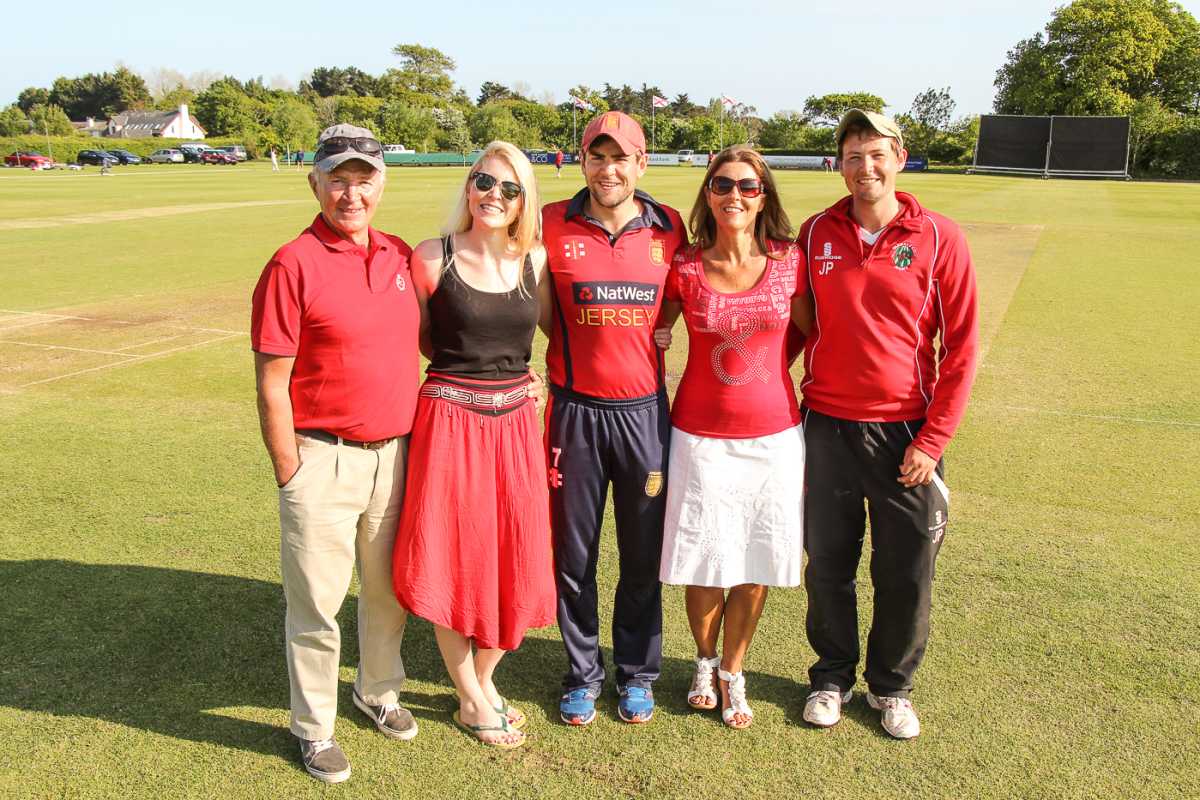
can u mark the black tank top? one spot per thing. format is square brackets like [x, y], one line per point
[476, 334]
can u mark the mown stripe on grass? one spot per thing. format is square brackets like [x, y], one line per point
[134, 213]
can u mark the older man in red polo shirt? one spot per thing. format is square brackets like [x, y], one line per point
[334, 331]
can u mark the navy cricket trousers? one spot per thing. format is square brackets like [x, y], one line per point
[590, 443]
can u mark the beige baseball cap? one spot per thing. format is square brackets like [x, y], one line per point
[884, 126]
[338, 144]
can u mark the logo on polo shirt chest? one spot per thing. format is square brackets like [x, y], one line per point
[825, 261]
[400, 282]
[575, 248]
[636, 303]
[658, 252]
[902, 256]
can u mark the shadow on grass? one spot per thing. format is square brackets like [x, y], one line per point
[166, 651]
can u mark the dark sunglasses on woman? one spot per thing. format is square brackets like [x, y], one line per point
[340, 144]
[747, 187]
[508, 189]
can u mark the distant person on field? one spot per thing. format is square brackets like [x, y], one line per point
[274, 161]
[558, 162]
[609, 249]
[889, 279]
[473, 550]
[827, 164]
[336, 428]
[298, 158]
[734, 523]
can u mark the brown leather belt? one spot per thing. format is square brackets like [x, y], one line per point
[329, 438]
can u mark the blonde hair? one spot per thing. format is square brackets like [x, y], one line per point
[772, 222]
[525, 232]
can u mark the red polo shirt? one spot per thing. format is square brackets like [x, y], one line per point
[349, 316]
[607, 292]
[871, 356]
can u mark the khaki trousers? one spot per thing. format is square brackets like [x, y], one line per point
[340, 510]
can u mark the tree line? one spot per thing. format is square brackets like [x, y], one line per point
[1126, 57]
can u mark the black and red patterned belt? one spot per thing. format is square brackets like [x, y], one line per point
[483, 397]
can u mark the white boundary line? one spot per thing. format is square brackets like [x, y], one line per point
[1102, 417]
[62, 317]
[152, 341]
[65, 347]
[129, 359]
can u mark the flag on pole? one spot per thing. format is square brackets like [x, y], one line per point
[586, 106]
[729, 101]
[660, 102]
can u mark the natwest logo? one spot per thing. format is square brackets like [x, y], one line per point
[614, 293]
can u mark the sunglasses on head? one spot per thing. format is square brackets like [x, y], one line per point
[508, 189]
[747, 187]
[340, 144]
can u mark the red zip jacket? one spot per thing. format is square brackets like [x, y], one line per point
[871, 356]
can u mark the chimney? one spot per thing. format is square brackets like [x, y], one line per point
[183, 110]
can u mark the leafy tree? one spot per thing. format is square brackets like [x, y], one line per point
[452, 133]
[294, 124]
[51, 120]
[330, 81]
[172, 99]
[1100, 56]
[783, 131]
[828, 109]
[28, 98]
[361, 111]
[13, 122]
[224, 109]
[100, 95]
[1149, 119]
[424, 71]
[412, 126]
[494, 121]
[926, 122]
[492, 91]
[681, 106]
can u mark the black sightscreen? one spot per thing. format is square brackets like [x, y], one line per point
[1089, 144]
[1007, 142]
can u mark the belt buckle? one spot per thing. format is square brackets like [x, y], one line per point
[498, 399]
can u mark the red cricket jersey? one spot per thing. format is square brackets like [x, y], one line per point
[349, 316]
[871, 355]
[736, 384]
[607, 293]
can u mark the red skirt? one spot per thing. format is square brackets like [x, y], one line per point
[474, 552]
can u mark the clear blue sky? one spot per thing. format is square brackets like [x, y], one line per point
[767, 54]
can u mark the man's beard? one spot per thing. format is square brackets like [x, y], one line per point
[602, 204]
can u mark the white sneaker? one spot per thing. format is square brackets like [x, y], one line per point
[824, 709]
[898, 718]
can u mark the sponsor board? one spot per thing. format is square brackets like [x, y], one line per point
[797, 162]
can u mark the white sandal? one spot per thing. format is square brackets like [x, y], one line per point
[737, 699]
[702, 684]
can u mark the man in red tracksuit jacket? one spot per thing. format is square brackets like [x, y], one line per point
[889, 366]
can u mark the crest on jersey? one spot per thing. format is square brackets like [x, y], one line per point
[654, 484]
[658, 252]
[574, 249]
[400, 284]
[902, 256]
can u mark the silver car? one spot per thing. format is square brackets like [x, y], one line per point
[167, 155]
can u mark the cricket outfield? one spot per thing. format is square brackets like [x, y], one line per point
[141, 644]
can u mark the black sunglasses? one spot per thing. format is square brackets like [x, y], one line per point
[340, 144]
[747, 187]
[508, 189]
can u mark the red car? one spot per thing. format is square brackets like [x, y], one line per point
[30, 158]
[217, 157]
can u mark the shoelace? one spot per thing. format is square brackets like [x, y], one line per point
[320, 746]
[895, 703]
[387, 708]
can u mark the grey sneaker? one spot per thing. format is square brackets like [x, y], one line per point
[324, 760]
[898, 718]
[824, 708]
[391, 720]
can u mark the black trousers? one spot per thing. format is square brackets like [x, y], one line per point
[592, 442]
[851, 475]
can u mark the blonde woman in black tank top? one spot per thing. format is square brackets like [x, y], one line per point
[473, 553]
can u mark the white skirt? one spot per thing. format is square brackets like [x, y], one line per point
[735, 510]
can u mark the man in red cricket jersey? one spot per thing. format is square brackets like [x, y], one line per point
[888, 279]
[609, 249]
[334, 331]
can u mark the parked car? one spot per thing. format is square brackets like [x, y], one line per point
[685, 156]
[192, 151]
[97, 157]
[237, 150]
[28, 158]
[217, 157]
[167, 155]
[124, 156]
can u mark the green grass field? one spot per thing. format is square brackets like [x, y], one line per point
[141, 645]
